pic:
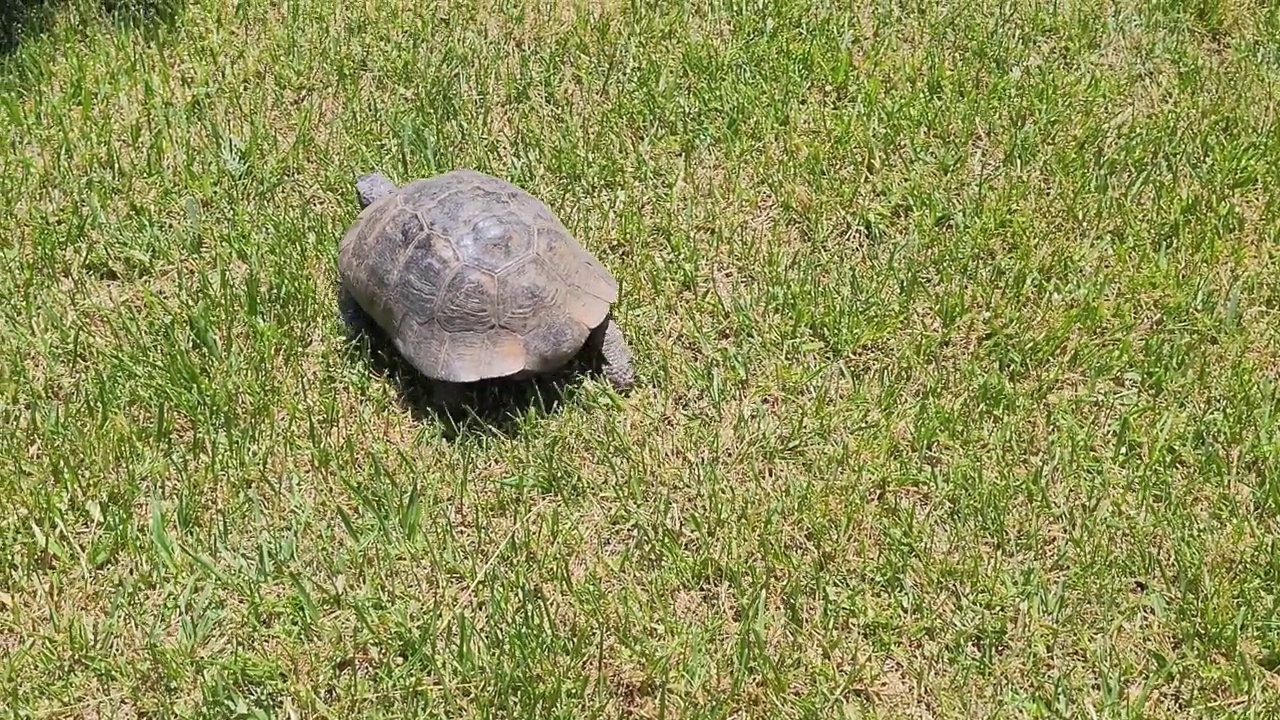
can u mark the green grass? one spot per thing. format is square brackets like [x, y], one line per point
[958, 327]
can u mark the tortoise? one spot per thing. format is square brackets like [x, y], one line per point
[473, 278]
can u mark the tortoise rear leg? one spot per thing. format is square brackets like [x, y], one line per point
[448, 395]
[616, 360]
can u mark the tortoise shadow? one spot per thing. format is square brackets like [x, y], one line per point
[21, 20]
[497, 406]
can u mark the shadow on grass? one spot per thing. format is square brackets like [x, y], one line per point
[23, 20]
[489, 406]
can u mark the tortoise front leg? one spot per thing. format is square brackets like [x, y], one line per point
[355, 321]
[617, 364]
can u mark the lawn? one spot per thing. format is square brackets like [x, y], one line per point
[957, 329]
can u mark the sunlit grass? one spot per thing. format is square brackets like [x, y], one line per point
[957, 328]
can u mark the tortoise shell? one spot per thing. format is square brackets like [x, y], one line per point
[472, 277]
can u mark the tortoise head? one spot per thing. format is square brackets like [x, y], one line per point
[373, 186]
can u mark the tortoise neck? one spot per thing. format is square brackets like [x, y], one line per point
[373, 187]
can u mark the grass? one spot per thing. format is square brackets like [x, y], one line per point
[958, 327]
